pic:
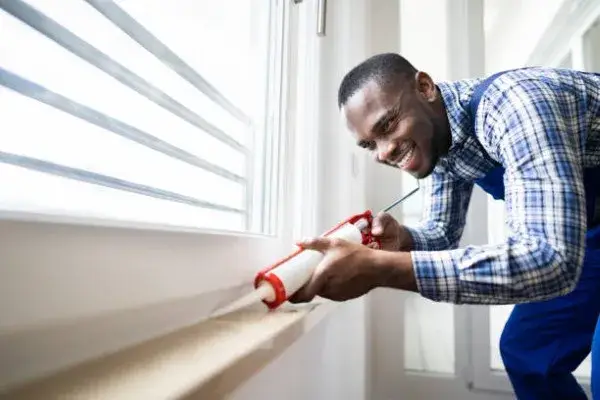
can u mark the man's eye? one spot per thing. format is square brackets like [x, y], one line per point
[367, 145]
[389, 126]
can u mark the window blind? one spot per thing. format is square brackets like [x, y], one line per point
[137, 110]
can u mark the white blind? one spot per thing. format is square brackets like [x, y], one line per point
[137, 110]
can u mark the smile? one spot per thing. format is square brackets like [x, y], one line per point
[407, 150]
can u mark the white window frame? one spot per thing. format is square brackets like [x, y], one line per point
[564, 35]
[62, 271]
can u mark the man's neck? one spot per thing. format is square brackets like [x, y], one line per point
[444, 132]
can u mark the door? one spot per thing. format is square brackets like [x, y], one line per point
[572, 41]
[451, 352]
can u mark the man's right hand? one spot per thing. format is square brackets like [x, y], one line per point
[392, 235]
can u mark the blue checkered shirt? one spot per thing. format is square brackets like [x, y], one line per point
[543, 126]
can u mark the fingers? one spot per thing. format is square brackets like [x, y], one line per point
[301, 296]
[308, 292]
[318, 243]
[317, 281]
[380, 223]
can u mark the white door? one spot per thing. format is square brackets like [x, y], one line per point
[451, 352]
[572, 41]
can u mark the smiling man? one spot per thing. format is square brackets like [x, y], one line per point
[530, 137]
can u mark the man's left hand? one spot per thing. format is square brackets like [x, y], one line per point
[347, 271]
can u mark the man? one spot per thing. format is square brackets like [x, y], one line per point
[529, 136]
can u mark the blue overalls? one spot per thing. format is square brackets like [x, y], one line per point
[544, 342]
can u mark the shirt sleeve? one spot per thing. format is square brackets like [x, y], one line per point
[444, 213]
[538, 141]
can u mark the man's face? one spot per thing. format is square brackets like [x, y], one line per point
[398, 124]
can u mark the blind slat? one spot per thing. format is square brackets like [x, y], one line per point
[82, 49]
[107, 181]
[151, 43]
[44, 95]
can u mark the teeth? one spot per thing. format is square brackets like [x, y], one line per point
[408, 156]
[404, 146]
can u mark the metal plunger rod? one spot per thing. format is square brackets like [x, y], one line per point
[401, 199]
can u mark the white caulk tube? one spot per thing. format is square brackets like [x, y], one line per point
[278, 282]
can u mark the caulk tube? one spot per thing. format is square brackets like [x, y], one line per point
[288, 275]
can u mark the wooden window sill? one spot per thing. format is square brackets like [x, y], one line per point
[206, 360]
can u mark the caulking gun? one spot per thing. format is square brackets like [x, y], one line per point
[276, 283]
[279, 281]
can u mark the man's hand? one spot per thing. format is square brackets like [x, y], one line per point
[347, 271]
[350, 270]
[392, 235]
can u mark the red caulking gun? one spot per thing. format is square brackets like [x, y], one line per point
[276, 283]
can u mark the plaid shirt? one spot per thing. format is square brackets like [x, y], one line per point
[543, 126]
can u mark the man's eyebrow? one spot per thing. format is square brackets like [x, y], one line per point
[380, 124]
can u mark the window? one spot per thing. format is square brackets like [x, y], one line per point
[143, 111]
[143, 150]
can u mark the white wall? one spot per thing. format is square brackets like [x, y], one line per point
[513, 30]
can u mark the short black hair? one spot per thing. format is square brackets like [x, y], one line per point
[383, 68]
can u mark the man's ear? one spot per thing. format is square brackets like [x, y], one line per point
[345, 121]
[425, 86]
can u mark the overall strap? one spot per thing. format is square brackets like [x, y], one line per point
[480, 89]
[493, 181]
[478, 93]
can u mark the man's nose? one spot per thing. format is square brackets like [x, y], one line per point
[385, 152]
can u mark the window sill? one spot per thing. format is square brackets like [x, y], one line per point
[208, 360]
[79, 271]
[90, 221]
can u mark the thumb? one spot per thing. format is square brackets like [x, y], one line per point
[379, 223]
[310, 289]
[319, 243]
